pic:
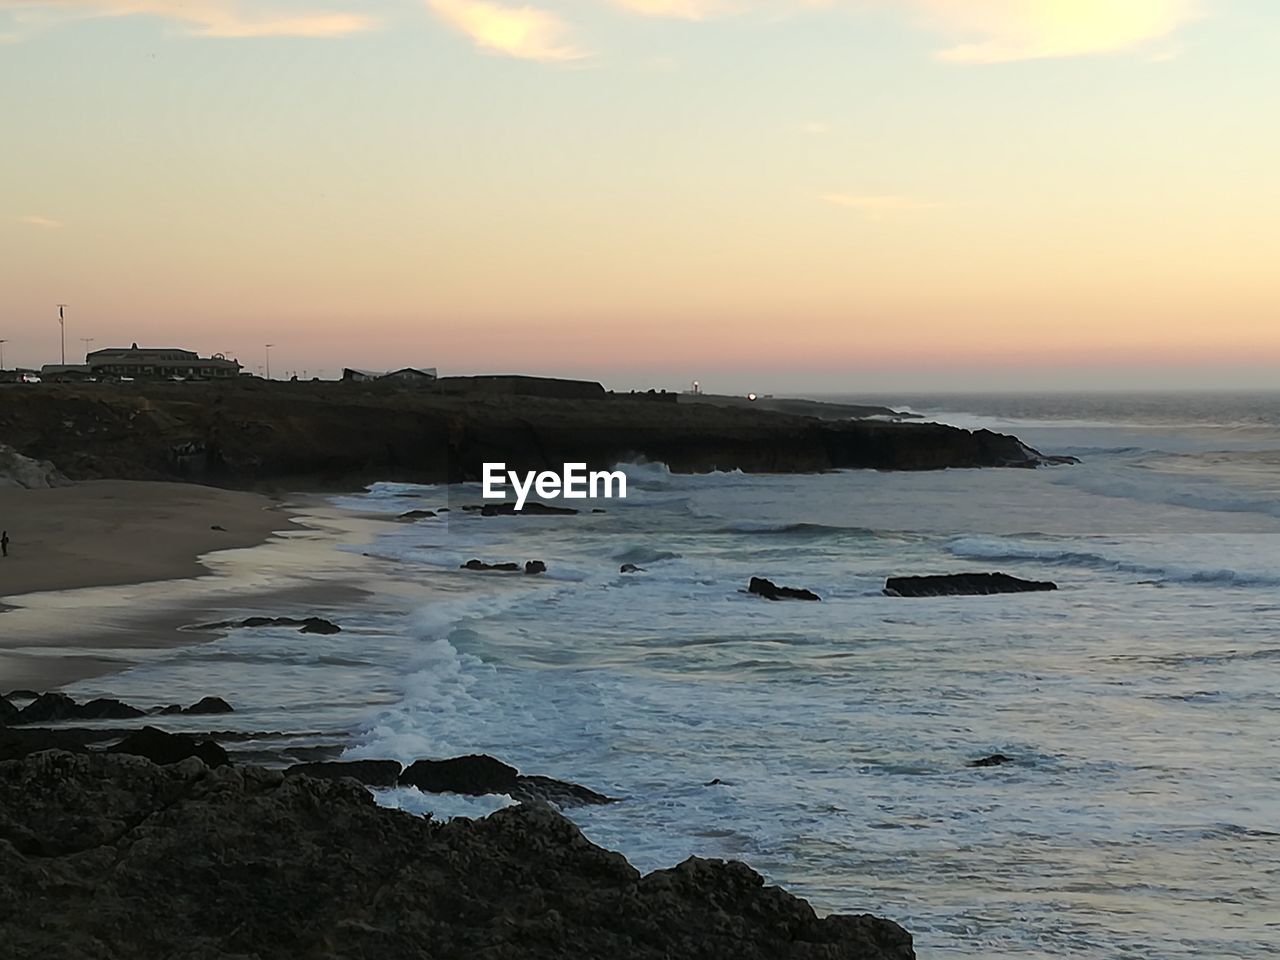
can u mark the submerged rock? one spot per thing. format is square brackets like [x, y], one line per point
[771, 591]
[375, 773]
[995, 760]
[8, 712]
[481, 565]
[416, 515]
[630, 568]
[164, 748]
[531, 508]
[304, 624]
[109, 856]
[534, 566]
[962, 584]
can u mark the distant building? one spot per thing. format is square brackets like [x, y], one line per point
[150, 363]
[403, 375]
[66, 372]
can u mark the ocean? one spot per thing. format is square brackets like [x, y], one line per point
[827, 744]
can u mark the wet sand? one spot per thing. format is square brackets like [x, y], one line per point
[104, 574]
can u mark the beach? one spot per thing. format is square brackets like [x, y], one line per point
[103, 532]
[104, 573]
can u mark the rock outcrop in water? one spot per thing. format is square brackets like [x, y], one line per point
[106, 856]
[478, 775]
[56, 707]
[506, 567]
[341, 436]
[771, 591]
[962, 584]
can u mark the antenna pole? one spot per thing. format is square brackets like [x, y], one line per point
[62, 324]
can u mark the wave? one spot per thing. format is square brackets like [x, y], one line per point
[641, 554]
[979, 548]
[768, 527]
[648, 475]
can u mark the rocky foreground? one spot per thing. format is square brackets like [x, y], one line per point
[343, 435]
[111, 856]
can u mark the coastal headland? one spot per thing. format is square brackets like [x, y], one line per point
[331, 435]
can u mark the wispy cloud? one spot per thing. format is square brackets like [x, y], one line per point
[524, 32]
[681, 9]
[984, 31]
[816, 128]
[1000, 31]
[48, 223]
[213, 18]
[879, 205]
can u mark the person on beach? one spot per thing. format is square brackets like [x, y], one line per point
[4, 543]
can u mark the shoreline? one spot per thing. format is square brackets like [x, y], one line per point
[86, 614]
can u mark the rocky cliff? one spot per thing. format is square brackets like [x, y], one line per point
[342, 435]
[109, 856]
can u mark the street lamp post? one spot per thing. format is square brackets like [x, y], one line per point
[2, 343]
[269, 346]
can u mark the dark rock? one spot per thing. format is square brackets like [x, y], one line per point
[962, 584]
[21, 695]
[480, 565]
[375, 773]
[109, 856]
[216, 527]
[165, 711]
[559, 792]
[165, 748]
[416, 515]
[305, 624]
[107, 709]
[630, 568]
[535, 566]
[771, 591]
[599, 510]
[713, 783]
[474, 775]
[15, 742]
[995, 760]
[207, 705]
[477, 775]
[48, 707]
[8, 712]
[531, 508]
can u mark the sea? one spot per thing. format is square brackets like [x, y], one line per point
[828, 745]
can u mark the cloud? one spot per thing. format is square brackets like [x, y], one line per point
[816, 128]
[680, 9]
[212, 18]
[1000, 31]
[984, 31]
[47, 223]
[877, 207]
[524, 32]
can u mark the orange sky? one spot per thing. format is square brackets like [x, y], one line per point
[870, 194]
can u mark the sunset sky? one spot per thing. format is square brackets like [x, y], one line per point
[762, 194]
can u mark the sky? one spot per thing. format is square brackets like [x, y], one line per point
[769, 195]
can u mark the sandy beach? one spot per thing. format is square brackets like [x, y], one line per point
[103, 532]
[103, 574]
